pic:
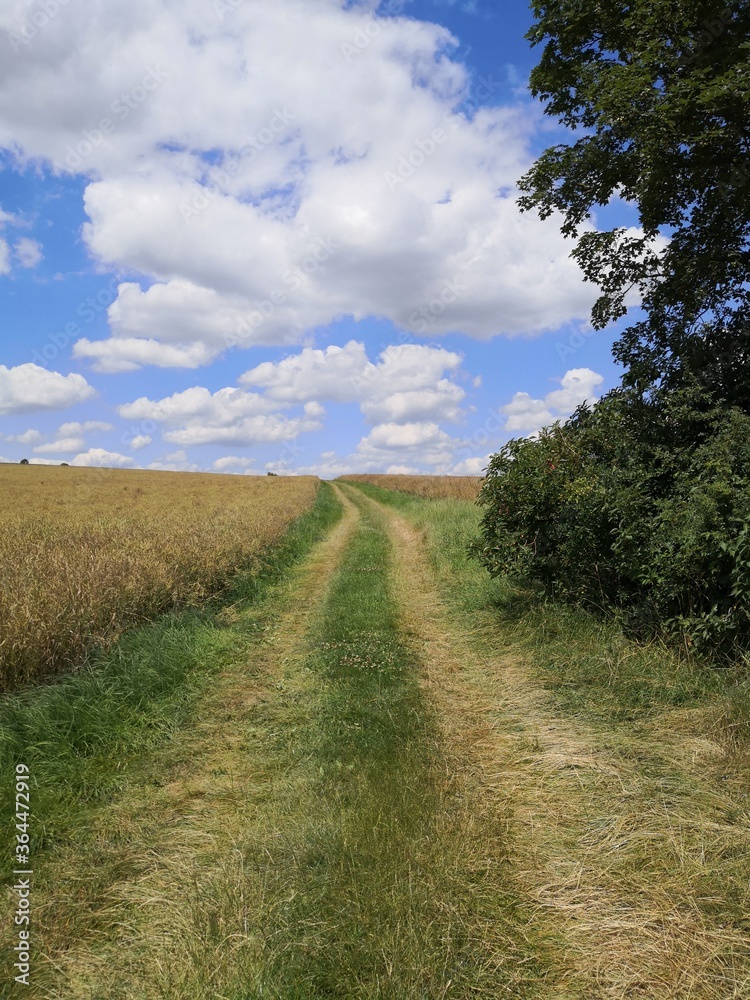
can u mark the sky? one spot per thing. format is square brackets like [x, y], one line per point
[246, 236]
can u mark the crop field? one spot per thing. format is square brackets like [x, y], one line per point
[428, 487]
[87, 552]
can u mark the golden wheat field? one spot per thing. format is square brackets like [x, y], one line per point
[431, 487]
[85, 553]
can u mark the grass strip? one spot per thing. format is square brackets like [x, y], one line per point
[369, 889]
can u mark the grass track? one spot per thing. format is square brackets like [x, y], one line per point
[384, 900]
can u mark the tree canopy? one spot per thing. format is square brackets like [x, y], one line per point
[659, 91]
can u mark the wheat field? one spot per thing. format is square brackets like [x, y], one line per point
[85, 553]
[429, 487]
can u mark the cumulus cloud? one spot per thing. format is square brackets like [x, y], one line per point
[527, 414]
[75, 427]
[101, 458]
[62, 446]
[4, 257]
[262, 190]
[29, 387]
[232, 462]
[30, 436]
[229, 416]
[405, 385]
[28, 252]
[417, 447]
[140, 441]
[128, 354]
[177, 461]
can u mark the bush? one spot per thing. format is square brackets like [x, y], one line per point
[640, 504]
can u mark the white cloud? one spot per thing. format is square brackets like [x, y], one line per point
[69, 437]
[28, 437]
[418, 447]
[100, 458]
[263, 191]
[4, 257]
[28, 252]
[128, 354]
[223, 407]
[229, 416]
[527, 414]
[578, 385]
[471, 466]
[29, 387]
[177, 461]
[62, 446]
[407, 384]
[140, 441]
[232, 462]
[75, 427]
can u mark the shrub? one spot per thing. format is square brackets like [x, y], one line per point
[640, 504]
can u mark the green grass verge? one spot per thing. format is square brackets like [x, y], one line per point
[372, 889]
[590, 665]
[84, 735]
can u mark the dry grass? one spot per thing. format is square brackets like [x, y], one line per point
[429, 487]
[87, 552]
[629, 844]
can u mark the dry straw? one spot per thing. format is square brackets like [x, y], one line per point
[430, 487]
[84, 553]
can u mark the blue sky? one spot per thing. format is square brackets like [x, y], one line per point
[279, 235]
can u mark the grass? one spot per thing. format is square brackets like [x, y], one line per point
[82, 736]
[369, 892]
[119, 548]
[636, 771]
[593, 668]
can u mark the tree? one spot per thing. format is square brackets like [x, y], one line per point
[659, 91]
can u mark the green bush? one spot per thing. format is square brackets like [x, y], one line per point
[640, 504]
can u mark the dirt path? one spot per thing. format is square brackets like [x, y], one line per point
[613, 836]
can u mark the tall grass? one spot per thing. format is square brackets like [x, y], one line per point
[87, 553]
[589, 663]
[428, 487]
[637, 770]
